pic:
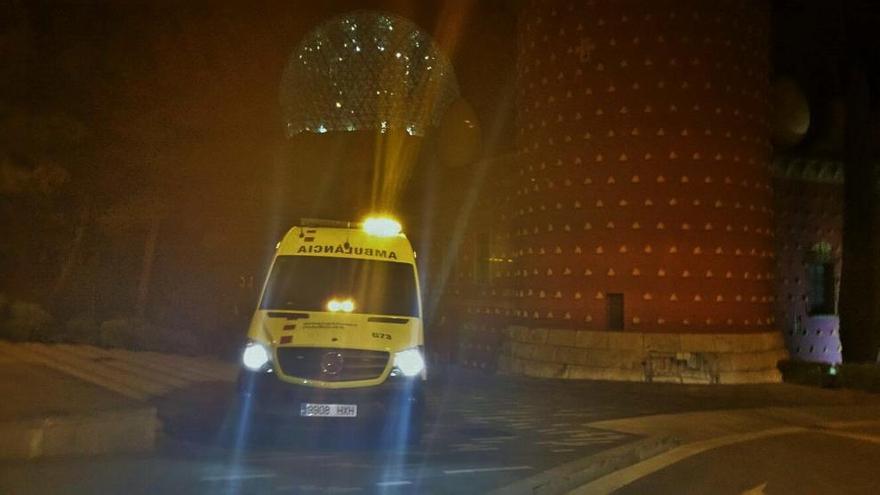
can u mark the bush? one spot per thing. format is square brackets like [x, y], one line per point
[860, 377]
[139, 335]
[23, 320]
[26, 321]
[120, 333]
[804, 372]
[81, 330]
[848, 375]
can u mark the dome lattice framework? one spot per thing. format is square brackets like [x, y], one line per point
[366, 70]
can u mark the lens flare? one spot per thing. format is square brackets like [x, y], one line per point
[382, 226]
[344, 305]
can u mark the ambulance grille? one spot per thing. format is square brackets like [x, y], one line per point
[331, 365]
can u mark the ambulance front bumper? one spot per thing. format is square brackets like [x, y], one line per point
[266, 394]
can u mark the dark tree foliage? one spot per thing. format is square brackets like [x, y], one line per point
[42, 140]
[859, 332]
[144, 170]
[831, 48]
[860, 279]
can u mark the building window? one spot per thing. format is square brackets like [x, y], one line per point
[614, 308]
[821, 288]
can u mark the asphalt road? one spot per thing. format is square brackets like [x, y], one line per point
[483, 432]
[480, 435]
[452, 459]
[814, 462]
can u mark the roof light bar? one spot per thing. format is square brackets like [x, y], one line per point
[381, 226]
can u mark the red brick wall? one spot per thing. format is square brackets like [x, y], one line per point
[643, 140]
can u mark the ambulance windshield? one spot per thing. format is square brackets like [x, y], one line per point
[307, 283]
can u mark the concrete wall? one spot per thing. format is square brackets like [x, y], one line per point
[636, 356]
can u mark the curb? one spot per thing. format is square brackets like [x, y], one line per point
[129, 430]
[569, 476]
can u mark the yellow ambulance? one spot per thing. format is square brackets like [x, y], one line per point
[337, 336]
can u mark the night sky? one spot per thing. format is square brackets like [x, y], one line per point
[144, 108]
[183, 97]
[133, 106]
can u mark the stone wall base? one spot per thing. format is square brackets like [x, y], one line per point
[649, 357]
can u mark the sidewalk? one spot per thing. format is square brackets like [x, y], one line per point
[138, 375]
[696, 433]
[663, 418]
[61, 400]
[498, 430]
[45, 413]
[667, 439]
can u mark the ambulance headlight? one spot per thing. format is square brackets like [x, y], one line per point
[410, 362]
[255, 356]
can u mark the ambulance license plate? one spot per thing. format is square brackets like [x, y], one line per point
[328, 410]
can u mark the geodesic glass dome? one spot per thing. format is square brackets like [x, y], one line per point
[366, 70]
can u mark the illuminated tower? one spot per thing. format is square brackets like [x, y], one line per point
[358, 95]
[643, 201]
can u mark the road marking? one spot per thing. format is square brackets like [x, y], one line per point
[137, 358]
[196, 366]
[134, 374]
[852, 424]
[485, 470]
[59, 354]
[619, 479]
[109, 383]
[758, 490]
[90, 353]
[316, 489]
[394, 483]
[238, 476]
[853, 435]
